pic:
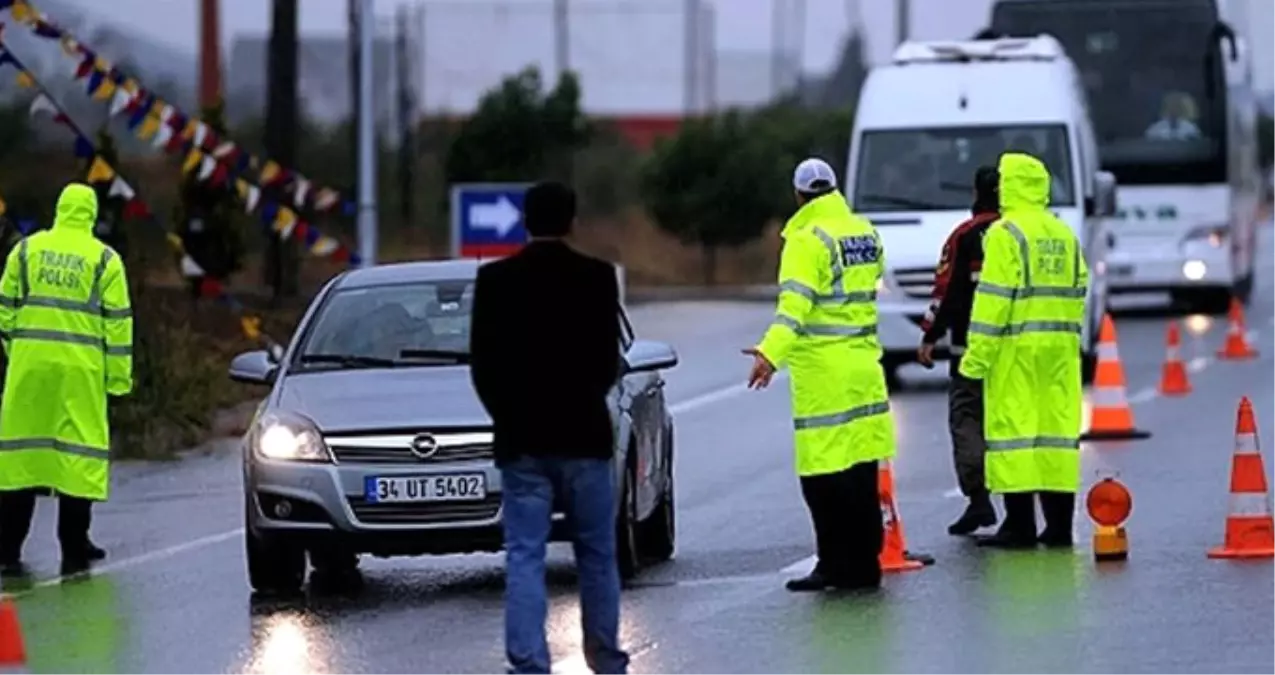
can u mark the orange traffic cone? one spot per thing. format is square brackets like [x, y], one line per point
[1173, 380]
[1112, 417]
[1237, 347]
[13, 655]
[1250, 531]
[894, 551]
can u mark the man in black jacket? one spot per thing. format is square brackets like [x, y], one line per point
[950, 307]
[545, 342]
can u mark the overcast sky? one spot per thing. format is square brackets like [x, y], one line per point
[741, 24]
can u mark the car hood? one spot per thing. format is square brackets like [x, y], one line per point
[384, 399]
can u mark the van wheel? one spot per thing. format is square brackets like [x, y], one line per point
[626, 539]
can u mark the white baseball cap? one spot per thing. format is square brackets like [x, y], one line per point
[811, 172]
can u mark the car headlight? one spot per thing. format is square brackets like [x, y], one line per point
[289, 437]
[1212, 235]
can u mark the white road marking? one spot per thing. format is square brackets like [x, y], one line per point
[714, 397]
[151, 556]
[1143, 395]
[1198, 363]
[803, 566]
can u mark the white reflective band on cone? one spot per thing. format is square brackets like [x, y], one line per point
[1246, 444]
[1108, 352]
[1250, 504]
[1108, 397]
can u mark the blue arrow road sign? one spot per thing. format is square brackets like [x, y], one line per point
[487, 219]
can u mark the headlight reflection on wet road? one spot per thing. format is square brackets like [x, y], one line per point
[286, 643]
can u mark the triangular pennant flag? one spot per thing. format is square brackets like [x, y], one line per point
[131, 86]
[269, 172]
[69, 46]
[284, 222]
[251, 326]
[100, 171]
[190, 268]
[302, 190]
[175, 242]
[201, 130]
[150, 125]
[85, 66]
[312, 237]
[96, 79]
[84, 147]
[45, 29]
[166, 113]
[136, 209]
[326, 198]
[191, 161]
[302, 229]
[43, 104]
[21, 11]
[120, 101]
[268, 212]
[206, 166]
[324, 246]
[105, 90]
[223, 149]
[251, 198]
[25, 80]
[121, 188]
[189, 131]
[162, 136]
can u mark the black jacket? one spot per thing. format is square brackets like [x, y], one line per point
[545, 338]
[954, 281]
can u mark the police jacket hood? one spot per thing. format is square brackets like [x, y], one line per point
[1024, 183]
[77, 208]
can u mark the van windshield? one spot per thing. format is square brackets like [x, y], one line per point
[933, 169]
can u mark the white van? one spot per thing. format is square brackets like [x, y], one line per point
[925, 123]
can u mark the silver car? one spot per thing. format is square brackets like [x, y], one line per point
[372, 440]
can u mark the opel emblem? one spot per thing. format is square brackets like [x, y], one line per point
[424, 446]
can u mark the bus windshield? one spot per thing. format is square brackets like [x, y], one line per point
[1153, 78]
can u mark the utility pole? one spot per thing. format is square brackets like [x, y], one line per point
[778, 46]
[561, 38]
[691, 62]
[902, 21]
[406, 116]
[209, 53]
[367, 135]
[352, 43]
[281, 131]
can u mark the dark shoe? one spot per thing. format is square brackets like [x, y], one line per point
[1054, 539]
[1010, 537]
[94, 552]
[13, 569]
[979, 513]
[812, 582]
[74, 566]
[858, 583]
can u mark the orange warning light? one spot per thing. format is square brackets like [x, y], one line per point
[1109, 503]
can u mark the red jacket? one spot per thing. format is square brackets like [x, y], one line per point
[952, 299]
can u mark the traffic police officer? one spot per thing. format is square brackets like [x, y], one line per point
[825, 331]
[1024, 344]
[67, 329]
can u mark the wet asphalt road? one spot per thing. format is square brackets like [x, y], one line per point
[173, 596]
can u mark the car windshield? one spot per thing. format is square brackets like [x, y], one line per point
[415, 324]
[933, 169]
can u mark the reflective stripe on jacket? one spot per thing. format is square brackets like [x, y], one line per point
[1024, 342]
[825, 332]
[67, 329]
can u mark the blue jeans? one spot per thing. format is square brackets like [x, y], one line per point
[585, 488]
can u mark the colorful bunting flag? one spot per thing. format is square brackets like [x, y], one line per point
[100, 171]
[191, 161]
[121, 188]
[206, 166]
[150, 126]
[43, 104]
[25, 80]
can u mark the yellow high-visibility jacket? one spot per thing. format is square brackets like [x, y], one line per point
[825, 332]
[67, 328]
[1024, 341]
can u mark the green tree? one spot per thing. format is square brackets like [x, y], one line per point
[520, 133]
[110, 209]
[718, 182]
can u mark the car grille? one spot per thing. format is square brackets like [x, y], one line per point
[396, 449]
[916, 282]
[424, 514]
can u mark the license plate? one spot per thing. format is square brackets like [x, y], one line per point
[456, 487]
[1122, 270]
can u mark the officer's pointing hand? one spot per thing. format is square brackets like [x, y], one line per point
[762, 371]
[925, 355]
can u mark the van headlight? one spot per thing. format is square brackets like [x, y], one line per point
[1214, 236]
[289, 437]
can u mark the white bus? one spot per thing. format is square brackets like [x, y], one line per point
[1169, 89]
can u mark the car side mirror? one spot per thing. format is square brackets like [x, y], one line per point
[255, 367]
[1104, 194]
[648, 356]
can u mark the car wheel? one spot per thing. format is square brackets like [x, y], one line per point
[659, 531]
[335, 569]
[274, 567]
[626, 540]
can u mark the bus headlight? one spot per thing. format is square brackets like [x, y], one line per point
[1214, 236]
[289, 437]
